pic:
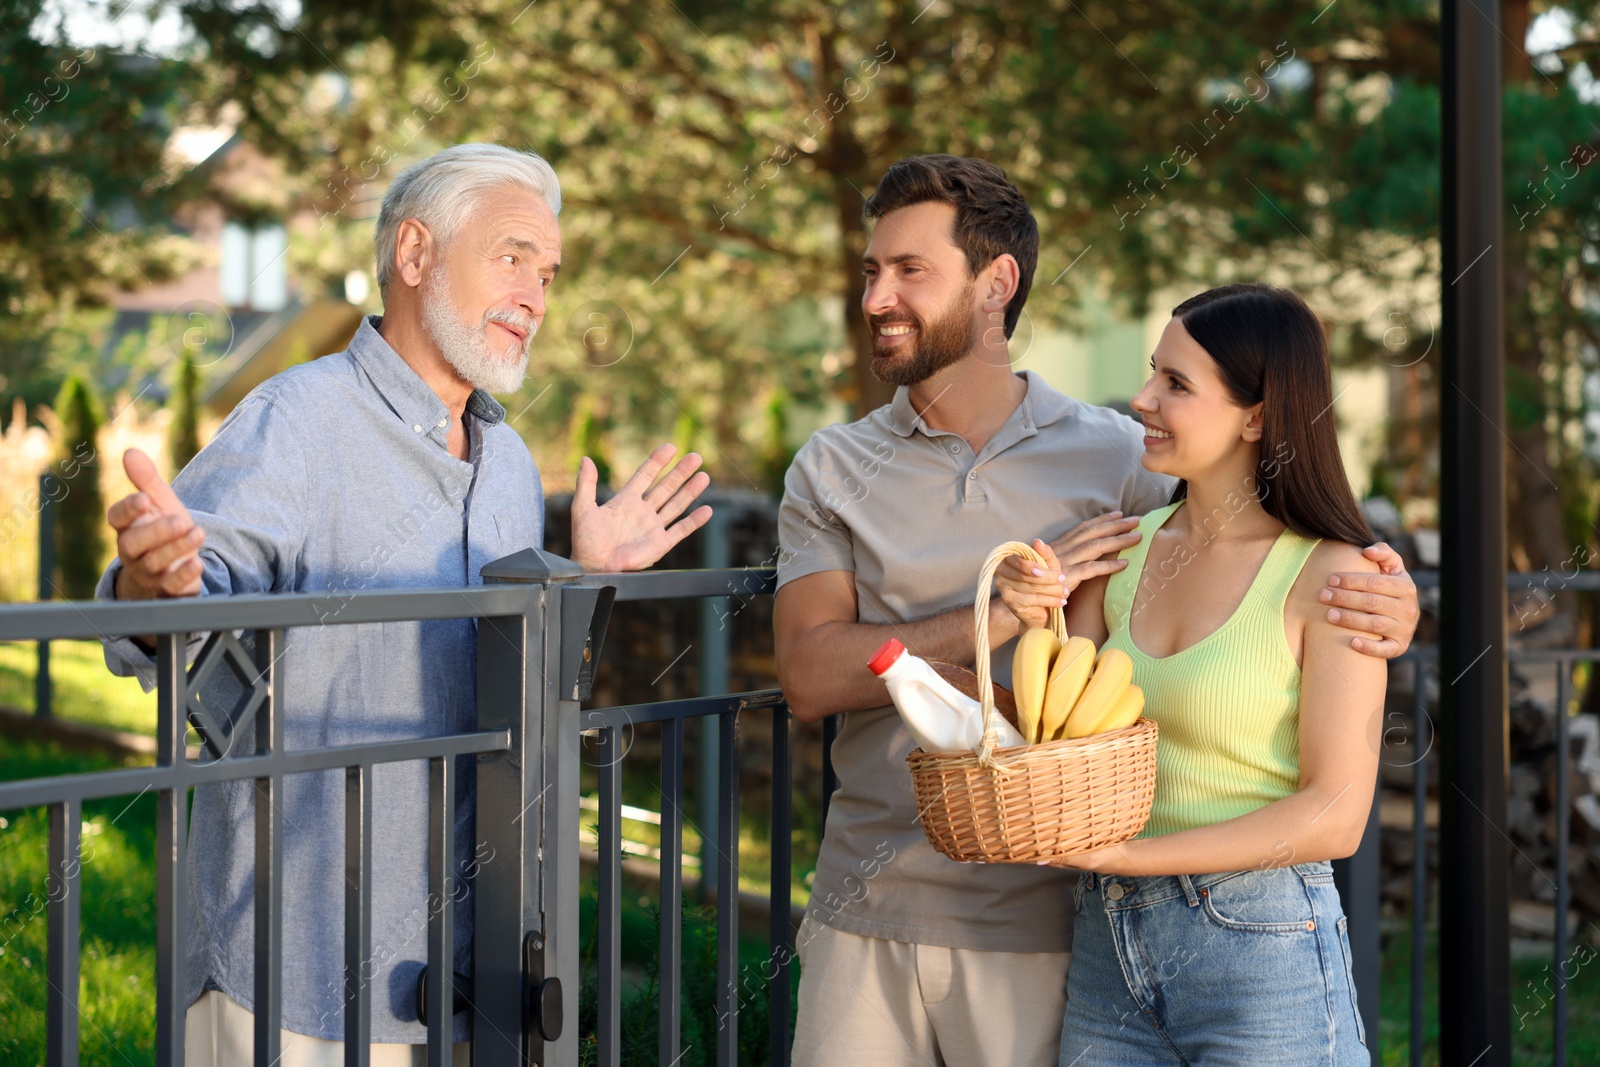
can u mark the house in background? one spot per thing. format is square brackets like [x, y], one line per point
[239, 314]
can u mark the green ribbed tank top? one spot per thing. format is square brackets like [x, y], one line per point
[1228, 705]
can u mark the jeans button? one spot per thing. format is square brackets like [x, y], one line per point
[1116, 892]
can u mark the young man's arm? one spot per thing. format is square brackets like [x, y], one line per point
[823, 645]
[823, 649]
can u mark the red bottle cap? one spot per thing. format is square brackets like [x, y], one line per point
[886, 655]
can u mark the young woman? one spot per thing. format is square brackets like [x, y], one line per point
[1216, 935]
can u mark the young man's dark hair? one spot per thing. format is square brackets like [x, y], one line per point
[992, 218]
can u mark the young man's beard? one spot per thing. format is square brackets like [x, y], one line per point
[934, 348]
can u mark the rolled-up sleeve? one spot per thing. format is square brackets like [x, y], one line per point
[248, 490]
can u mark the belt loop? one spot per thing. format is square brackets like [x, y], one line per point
[1188, 890]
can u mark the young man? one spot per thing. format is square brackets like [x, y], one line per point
[388, 465]
[908, 957]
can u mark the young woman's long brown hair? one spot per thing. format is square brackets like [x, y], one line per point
[1270, 349]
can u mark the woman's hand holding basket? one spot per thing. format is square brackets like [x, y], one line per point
[1031, 589]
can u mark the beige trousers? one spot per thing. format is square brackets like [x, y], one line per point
[221, 1032]
[890, 1003]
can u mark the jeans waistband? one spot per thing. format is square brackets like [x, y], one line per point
[1148, 889]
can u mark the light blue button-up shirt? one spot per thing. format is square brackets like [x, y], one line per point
[334, 476]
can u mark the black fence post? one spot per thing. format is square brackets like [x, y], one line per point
[526, 974]
[1474, 867]
[505, 900]
[713, 660]
[42, 696]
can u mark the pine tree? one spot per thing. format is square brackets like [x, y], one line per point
[81, 512]
[183, 439]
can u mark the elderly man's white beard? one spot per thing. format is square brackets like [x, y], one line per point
[467, 348]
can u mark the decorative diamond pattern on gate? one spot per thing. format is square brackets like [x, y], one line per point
[218, 733]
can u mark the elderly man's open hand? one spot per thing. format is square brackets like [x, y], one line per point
[635, 528]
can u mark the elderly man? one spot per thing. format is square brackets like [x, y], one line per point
[388, 465]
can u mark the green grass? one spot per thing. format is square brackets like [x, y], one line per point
[755, 850]
[85, 690]
[117, 1022]
[698, 1017]
[1532, 1015]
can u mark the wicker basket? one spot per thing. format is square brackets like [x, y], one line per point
[1034, 802]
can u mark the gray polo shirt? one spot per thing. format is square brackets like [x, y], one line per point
[912, 512]
[332, 477]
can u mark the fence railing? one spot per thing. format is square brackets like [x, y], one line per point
[541, 626]
[1363, 868]
[541, 631]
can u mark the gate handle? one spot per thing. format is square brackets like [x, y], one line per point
[542, 1008]
[462, 990]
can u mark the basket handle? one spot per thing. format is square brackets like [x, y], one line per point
[980, 620]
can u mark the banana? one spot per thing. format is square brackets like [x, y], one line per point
[1110, 680]
[1068, 675]
[1030, 673]
[1125, 712]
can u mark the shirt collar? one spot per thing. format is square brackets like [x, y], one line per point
[1041, 405]
[408, 395]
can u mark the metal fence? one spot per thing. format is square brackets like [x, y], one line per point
[1363, 902]
[541, 630]
[541, 626]
[1359, 876]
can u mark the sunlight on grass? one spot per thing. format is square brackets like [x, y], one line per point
[117, 1024]
[85, 691]
[641, 839]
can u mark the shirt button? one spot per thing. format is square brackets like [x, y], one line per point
[972, 476]
[443, 423]
[954, 449]
[1116, 892]
[417, 428]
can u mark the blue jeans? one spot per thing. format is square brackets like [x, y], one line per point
[1212, 969]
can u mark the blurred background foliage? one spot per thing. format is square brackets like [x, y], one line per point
[715, 158]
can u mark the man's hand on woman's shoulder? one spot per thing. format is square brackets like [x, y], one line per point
[1380, 608]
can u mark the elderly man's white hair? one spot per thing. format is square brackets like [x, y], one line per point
[441, 191]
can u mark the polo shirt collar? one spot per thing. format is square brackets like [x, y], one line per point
[1041, 405]
[407, 394]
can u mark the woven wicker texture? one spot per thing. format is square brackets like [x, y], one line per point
[1035, 802]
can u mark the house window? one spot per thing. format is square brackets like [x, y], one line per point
[254, 271]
